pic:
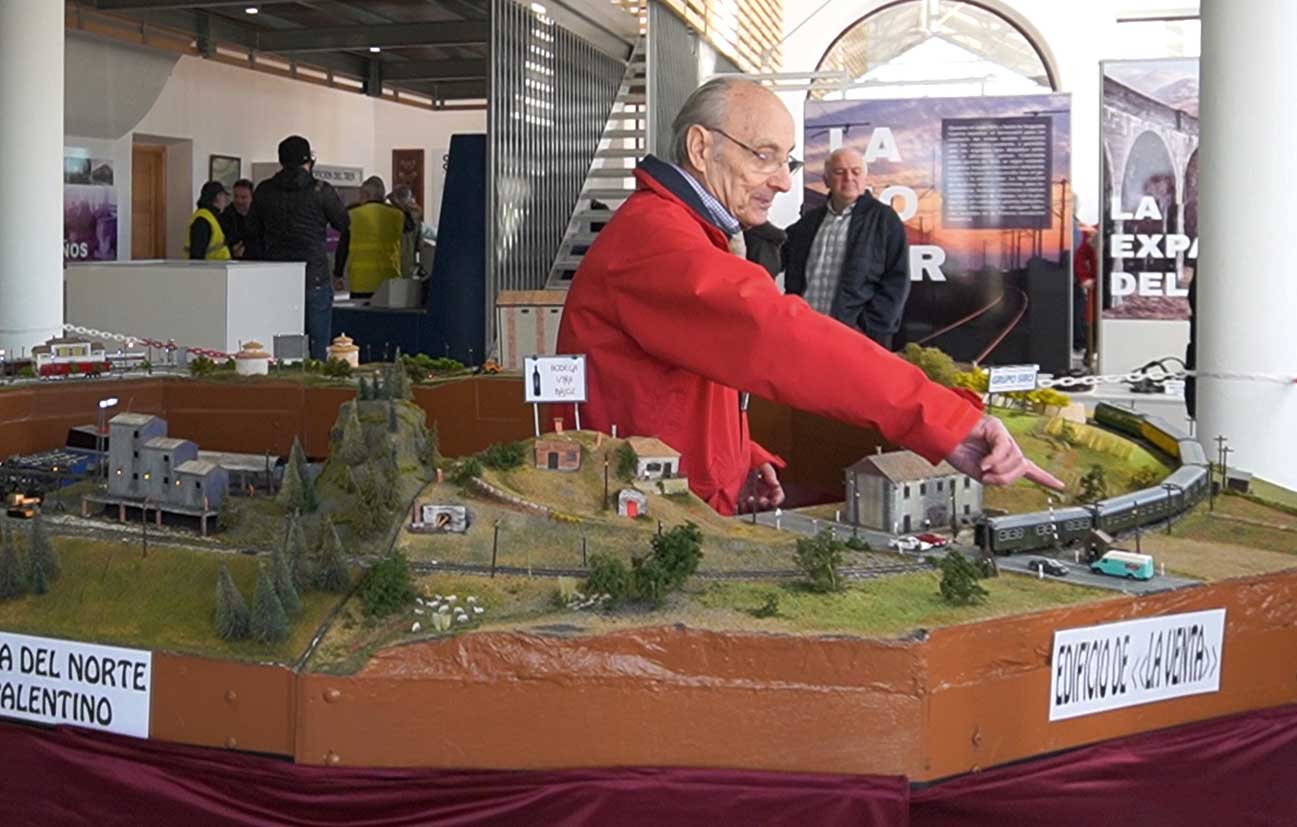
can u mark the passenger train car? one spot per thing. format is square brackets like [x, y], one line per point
[1180, 491]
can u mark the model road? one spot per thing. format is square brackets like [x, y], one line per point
[809, 526]
[1080, 574]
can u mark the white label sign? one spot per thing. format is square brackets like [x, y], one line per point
[63, 682]
[554, 378]
[1101, 668]
[339, 176]
[1013, 378]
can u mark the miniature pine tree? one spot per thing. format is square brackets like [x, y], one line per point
[11, 575]
[42, 551]
[365, 392]
[331, 573]
[393, 424]
[37, 582]
[959, 580]
[388, 378]
[367, 515]
[282, 577]
[269, 623]
[353, 450]
[299, 561]
[290, 490]
[232, 620]
[430, 454]
[297, 490]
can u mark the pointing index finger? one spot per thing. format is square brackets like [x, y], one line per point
[1041, 477]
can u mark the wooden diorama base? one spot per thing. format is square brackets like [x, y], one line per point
[932, 705]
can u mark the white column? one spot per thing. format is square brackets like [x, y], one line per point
[31, 170]
[1247, 296]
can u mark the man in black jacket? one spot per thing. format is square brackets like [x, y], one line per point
[290, 214]
[849, 258]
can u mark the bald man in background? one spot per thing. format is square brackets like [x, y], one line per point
[850, 258]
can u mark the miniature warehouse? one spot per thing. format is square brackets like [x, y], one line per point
[381, 534]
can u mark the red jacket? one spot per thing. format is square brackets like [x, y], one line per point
[673, 325]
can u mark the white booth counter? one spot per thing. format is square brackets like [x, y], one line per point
[208, 304]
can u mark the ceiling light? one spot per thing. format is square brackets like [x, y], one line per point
[251, 10]
[375, 49]
[538, 9]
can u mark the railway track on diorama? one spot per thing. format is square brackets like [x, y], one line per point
[735, 575]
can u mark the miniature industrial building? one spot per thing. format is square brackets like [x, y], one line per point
[149, 470]
[631, 503]
[438, 518]
[558, 455]
[899, 492]
[657, 460]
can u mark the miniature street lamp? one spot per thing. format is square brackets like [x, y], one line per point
[1171, 488]
[104, 405]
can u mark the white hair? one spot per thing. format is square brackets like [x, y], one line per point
[706, 106]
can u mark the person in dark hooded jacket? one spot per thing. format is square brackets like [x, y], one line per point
[764, 245]
[290, 214]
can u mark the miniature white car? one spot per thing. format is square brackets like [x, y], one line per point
[908, 543]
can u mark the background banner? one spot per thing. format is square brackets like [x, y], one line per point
[1150, 187]
[983, 187]
[89, 208]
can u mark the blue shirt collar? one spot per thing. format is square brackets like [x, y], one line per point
[720, 216]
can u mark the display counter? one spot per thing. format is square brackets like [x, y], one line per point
[206, 304]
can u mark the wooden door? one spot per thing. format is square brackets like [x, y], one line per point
[148, 202]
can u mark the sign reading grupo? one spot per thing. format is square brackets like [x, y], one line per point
[62, 682]
[1101, 668]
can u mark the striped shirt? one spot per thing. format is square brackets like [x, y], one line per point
[719, 216]
[828, 253]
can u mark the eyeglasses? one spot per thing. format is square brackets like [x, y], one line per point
[767, 162]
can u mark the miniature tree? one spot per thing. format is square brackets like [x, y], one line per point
[959, 580]
[290, 489]
[299, 561]
[393, 424]
[430, 450]
[1145, 477]
[282, 578]
[353, 450]
[11, 575]
[366, 517]
[37, 582]
[298, 490]
[365, 391]
[387, 586]
[819, 558]
[938, 366]
[1094, 485]
[269, 622]
[42, 552]
[232, 620]
[675, 557]
[466, 471]
[627, 462]
[505, 456]
[609, 576]
[331, 572]
[227, 516]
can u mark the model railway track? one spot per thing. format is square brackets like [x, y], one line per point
[736, 575]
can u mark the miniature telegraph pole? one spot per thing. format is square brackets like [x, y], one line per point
[605, 480]
[495, 546]
[1170, 491]
[144, 524]
[585, 562]
[1135, 512]
[576, 408]
[1211, 486]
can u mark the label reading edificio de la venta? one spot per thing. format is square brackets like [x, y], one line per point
[1101, 668]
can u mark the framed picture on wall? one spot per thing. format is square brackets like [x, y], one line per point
[224, 168]
[407, 168]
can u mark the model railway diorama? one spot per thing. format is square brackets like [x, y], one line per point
[394, 511]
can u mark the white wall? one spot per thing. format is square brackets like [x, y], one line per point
[1074, 38]
[228, 110]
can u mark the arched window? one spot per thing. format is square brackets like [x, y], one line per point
[934, 48]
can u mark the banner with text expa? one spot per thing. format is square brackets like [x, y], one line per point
[51, 681]
[982, 185]
[1150, 187]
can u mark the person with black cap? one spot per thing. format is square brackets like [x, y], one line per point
[207, 239]
[290, 215]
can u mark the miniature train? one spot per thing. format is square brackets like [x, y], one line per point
[69, 356]
[1180, 491]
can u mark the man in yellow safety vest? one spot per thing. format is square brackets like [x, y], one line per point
[207, 238]
[369, 252]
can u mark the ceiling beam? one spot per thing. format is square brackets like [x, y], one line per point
[164, 5]
[392, 35]
[440, 70]
[454, 90]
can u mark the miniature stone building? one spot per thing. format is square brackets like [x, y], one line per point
[900, 492]
[160, 457]
[346, 350]
[631, 503]
[558, 455]
[147, 466]
[657, 460]
[437, 518]
[201, 485]
[127, 435]
[252, 360]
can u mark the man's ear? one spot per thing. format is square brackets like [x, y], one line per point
[696, 143]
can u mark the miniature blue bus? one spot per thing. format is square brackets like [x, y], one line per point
[1124, 564]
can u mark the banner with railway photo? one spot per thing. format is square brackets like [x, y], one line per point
[89, 207]
[983, 186]
[1150, 187]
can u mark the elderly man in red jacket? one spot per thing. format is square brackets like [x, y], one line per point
[675, 323]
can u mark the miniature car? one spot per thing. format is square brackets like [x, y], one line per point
[907, 543]
[22, 506]
[1051, 567]
[1126, 564]
[932, 540]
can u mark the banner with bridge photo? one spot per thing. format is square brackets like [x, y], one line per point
[983, 187]
[1150, 187]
